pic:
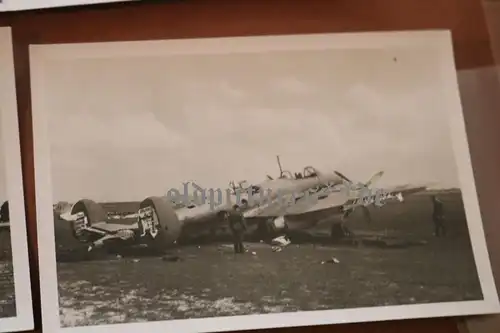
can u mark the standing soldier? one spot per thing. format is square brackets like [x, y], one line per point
[438, 217]
[345, 230]
[238, 227]
[340, 230]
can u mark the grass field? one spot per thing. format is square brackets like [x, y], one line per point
[212, 281]
[5, 245]
[7, 292]
[209, 280]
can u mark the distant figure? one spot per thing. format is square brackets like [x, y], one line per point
[347, 232]
[438, 217]
[340, 230]
[238, 227]
[267, 230]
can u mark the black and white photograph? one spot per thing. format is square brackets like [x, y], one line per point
[219, 184]
[16, 312]
[7, 292]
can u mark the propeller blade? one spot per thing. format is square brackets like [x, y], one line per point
[343, 177]
[374, 178]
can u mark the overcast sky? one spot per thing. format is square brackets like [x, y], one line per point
[124, 129]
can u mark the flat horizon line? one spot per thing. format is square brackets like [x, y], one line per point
[443, 189]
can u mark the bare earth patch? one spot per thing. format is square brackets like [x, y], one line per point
[7, 292]
[211, 281]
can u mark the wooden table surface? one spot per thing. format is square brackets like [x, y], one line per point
[213, 18]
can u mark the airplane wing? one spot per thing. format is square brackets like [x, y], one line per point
[201, 218]
[100, 224]
[338, 198]
[405, 189]
[375, 178]
[99, 228]
[328, 203]
[113, 227]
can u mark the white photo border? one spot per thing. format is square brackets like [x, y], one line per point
[15, 193]
[16, 5]
[440, 39]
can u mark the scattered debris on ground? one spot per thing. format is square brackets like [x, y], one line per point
[281, 241]
[332, 260]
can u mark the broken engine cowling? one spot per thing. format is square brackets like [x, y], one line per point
[277, 226]
[85, 213]
[158, 223]
[271, 228]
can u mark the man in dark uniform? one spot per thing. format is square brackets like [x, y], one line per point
[237, 226]
[340, 230]
[346, 231]
[438, 217]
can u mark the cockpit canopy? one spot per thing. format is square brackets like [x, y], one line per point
[254, 189]
[242, 187]
[308, 172]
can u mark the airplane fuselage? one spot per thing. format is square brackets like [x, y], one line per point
[366, 197]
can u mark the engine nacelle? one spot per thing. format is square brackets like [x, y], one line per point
[85, 213]
[159, 225]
